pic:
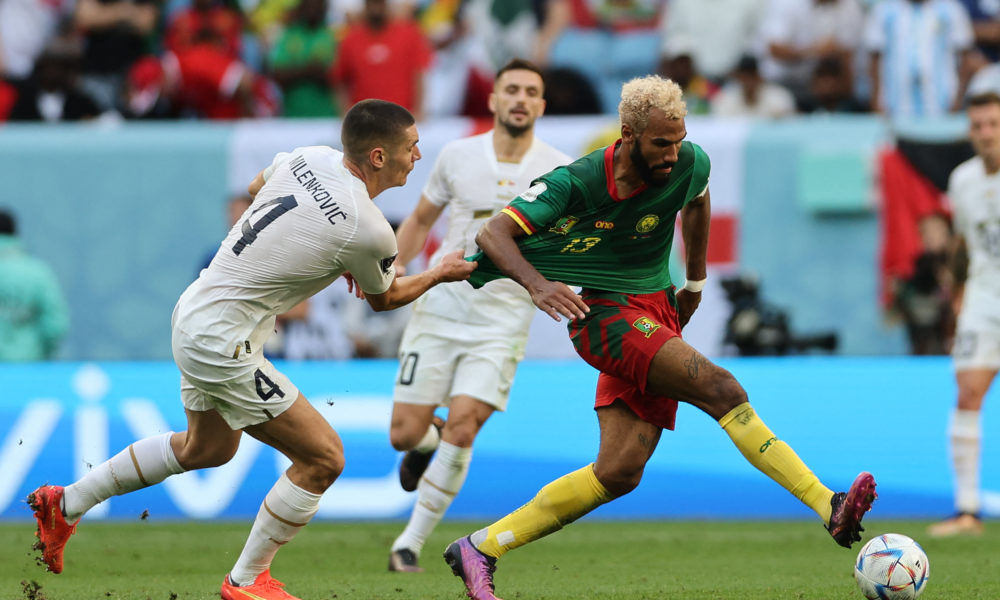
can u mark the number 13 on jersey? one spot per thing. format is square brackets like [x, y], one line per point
[580, 244]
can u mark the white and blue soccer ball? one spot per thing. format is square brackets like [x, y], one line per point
[892, 567]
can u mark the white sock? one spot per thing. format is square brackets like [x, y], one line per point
[144, 463]
[437, 488]
[966, 436]
[430, 440]
[285, 510]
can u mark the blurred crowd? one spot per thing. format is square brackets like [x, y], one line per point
[65, 60]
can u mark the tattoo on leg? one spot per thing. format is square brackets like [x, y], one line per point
[645, 442]
[694, 364]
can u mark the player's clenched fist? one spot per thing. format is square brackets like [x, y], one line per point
[455, 268]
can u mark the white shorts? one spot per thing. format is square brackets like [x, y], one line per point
[245, 391]
[438, 363]
[977, 337]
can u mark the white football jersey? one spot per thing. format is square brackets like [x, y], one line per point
[310, 223]
[975, 199]
[468, 179]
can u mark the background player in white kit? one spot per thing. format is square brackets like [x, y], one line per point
[311, 221]
[974, 191]
[461, 346]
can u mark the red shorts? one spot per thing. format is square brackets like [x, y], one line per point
[619, 337]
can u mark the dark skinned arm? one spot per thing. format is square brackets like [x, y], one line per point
[497, 240]
[695, 219]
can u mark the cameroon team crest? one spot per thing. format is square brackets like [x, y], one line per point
[646, 326]
[647, 223]
[563, 225]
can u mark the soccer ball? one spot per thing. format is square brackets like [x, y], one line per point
[892, 567]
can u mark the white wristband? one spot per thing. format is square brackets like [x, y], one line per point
[695, 286]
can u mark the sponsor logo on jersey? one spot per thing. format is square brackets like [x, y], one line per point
[647, 223]
[563, 225]
[646, 326]
[386, 263]
[532, 193]
[604, 225]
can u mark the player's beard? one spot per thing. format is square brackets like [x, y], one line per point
[646, 173]
[515, 131]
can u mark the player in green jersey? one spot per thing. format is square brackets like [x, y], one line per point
[605, 223]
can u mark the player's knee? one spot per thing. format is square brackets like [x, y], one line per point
[618, 481]
[205, 457]
[404, 438]
[724, 393]
[970, 398]
[325, 468]
[460, 432]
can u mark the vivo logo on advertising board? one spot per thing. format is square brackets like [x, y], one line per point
[59, 419]
[35, 450]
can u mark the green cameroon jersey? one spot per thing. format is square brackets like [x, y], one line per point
[581, 233]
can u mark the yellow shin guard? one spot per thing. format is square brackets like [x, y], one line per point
[557, 504]
[775, 458]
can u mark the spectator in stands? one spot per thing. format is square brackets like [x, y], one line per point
[300, 59]
[186, 27]
[985, 17]
[608, 41]
[509, 30]
[716, 33]
[199, 81]
[8, 96]
[797, 34]
[33, 313]
[698, 91]
[315, 328]
[830, 90]
[382, 57]
[919, 49]
[51, 93]
[26, 27]
[924, 299]
[747, 94]
[568, 92]
[116, 33]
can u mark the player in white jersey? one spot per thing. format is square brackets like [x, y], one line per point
[974, 191]
[311, 221]
[462, 346]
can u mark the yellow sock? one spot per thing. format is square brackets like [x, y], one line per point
[557, 504]
[775, 458]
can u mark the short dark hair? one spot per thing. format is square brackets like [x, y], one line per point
[373, 123]
[985, 98]
[8, 226]
[519, 64]
[747, 64]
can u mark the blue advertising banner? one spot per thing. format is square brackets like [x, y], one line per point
[841, 415]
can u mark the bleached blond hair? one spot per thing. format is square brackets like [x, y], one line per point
[642, 94]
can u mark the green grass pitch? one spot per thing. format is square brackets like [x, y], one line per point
[649, 560]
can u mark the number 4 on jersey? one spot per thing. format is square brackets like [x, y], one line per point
[279, 206]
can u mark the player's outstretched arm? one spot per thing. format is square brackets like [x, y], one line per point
[407, 289]
[497, 240]
[695, 218]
